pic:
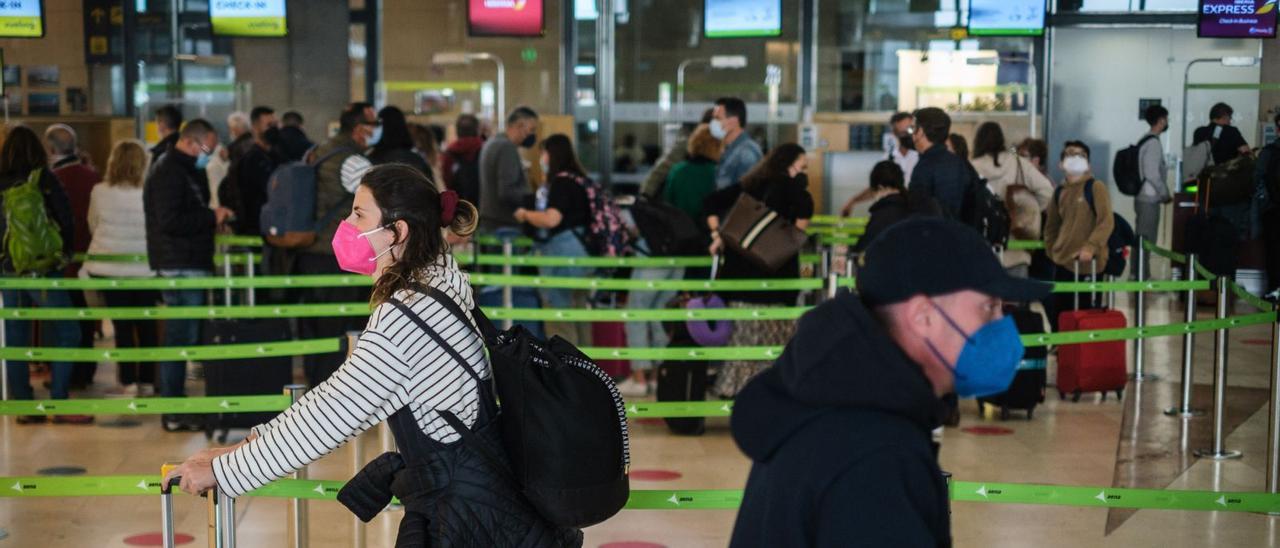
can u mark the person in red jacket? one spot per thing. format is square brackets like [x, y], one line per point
[78, 177]
[459, 165]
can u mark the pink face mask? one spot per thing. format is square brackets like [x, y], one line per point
[354, 251]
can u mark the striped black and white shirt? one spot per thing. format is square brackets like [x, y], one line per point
[394, 364]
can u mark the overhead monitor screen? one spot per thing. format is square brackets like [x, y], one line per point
[21, 19]
[516, 18]
[1237, 19]
[1006, 17]
[742, 18]
[252, 18]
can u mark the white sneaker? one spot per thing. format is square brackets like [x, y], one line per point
[630, 388]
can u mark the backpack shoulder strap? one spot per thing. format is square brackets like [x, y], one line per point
[487, 330]
[1088, 196]
[331, 155]
[448, 348]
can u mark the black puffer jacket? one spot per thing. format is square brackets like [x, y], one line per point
[180, 225]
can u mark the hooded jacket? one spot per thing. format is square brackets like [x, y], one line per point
[839, 433]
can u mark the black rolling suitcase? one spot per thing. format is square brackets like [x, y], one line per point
[682, 380]
[1027, 389]
[258, 376]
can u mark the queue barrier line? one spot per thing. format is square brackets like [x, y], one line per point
[499, 280]
[145, 406]
[512, 280]
[837, 220]
[362, 310]
[1024, 245]
[245, 404]
[233, 240]
[1249, 298]
[237, 259]
[165, 354]
[1162, 252]
[707, 499]
[746, 353]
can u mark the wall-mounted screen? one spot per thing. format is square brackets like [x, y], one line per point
[1237, 19]
[251, 18]
[1006, 17]
[22, 19]
[742, 18]
[515, 18]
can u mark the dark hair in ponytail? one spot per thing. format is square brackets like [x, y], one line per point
[404, 194]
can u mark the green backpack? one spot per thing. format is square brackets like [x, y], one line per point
[32, 241]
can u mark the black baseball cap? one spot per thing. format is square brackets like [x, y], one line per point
[935, 256]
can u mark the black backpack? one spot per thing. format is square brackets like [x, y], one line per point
[564, 424]
[984, 211]
[1127, 168]
[466, 178]
[667, 230]
[1122, 234]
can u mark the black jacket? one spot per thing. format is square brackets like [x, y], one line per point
[165, 145]
[839, 432]
[180, 225]
[244, 191]
[56, 204]
[944, 176]
[894, 208]
[293, 143]
[382, 156]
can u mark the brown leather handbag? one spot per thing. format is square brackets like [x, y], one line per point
[761, 235]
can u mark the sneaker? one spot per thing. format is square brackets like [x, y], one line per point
[631, 388]
[32, 419]
[146, 390]
[181, 423]
[73, 419]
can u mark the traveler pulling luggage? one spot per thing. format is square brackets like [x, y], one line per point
[1091, 367]
[1027, 390]
[680, 380]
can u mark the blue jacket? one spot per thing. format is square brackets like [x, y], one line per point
[944, 176]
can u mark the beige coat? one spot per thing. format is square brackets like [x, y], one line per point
[1027, 206]
[1072, 225]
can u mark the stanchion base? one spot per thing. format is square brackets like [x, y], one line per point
[1144, 377]
[1211, 455]
[1184, 413]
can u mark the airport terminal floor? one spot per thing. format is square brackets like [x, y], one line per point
[1128, 443]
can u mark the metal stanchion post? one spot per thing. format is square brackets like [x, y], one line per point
[1140, 318]
[298, 513]
[250, 293]
[1218, 452]
[829, 268]
[1273, 412]
[226, 274]
[4, 364]
[1184, 409]
[506, 270]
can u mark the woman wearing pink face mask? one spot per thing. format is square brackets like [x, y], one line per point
[419, 364]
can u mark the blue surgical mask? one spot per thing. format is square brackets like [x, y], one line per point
[377, 135]
[717, 130]
[202, 160]
[989, 359]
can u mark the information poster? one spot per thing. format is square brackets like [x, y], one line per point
[1237, 19]
[1006, 17]
[742, 18]
[21, 19]
[518, 18]
[252, 18]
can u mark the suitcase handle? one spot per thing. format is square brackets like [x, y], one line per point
[1075, 273]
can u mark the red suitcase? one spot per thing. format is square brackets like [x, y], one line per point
[611, 335]
[1092, 367]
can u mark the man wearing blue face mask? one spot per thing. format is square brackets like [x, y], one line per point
[728, 124]
[839, 428]
[180, 229]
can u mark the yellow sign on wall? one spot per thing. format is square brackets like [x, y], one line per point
[253, 18]
[21, 19]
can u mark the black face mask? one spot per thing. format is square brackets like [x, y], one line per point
[272, 135]
[529, 141]
[801, 179]
[907, 142]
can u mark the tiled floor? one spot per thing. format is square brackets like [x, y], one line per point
[1088, 443]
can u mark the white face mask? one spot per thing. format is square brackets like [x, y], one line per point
[546, 166]
[1075, 166]
[717, 130]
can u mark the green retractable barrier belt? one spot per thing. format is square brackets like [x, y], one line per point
[1129, 287]
[210, 352]
[234, 404]
[707, 499]
[362, 310]
[1025, 245]
[145, 406]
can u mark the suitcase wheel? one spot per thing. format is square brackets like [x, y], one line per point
[1062, 395]
[1120, 394]
[1075, 396]
[1004, 413]
[1030, 412]
[1104, 395]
